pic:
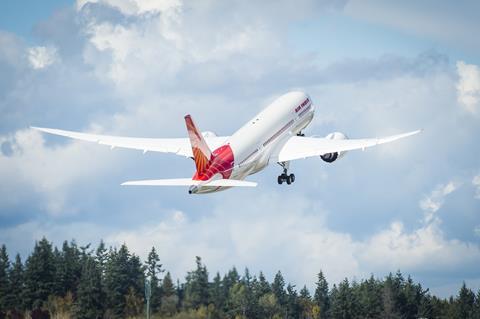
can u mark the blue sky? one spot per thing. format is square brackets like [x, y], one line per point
[136, 68]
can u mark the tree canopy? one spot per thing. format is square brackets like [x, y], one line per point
[84, 282]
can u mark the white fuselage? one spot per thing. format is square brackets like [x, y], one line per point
[255, 142]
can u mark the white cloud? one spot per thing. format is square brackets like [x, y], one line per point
[40, 57]
[298, 241]
[476, 184]
[476, 230]
[468, 86]
[431, 203]
[135, 7]
[50, 171]
[423, 249]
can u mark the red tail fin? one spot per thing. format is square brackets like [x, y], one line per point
[201, 151]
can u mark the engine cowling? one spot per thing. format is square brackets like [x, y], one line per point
[332, 157]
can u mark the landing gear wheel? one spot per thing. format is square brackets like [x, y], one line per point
[284, 177]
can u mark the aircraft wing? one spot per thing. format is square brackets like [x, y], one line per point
[298, 147]
[179, 146]
[191, 182]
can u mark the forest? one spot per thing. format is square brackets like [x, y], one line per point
[99, 282]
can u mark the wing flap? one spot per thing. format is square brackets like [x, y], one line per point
[190, 182]
[298, 147]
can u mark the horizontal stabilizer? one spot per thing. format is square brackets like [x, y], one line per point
[191, 182]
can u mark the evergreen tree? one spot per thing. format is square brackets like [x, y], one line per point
[342, 301]
[305, 304]
[292, 305]
[465, 302]
[154, 269]
[196, 286]
[16, 288]
[251, 304]
[101, 255]
[278, 289]
[390, 290]
[39, 275]
[263, 286]
[169, 298]
[217, 296]
[229, 280]
[4, 282]
[237, 300]
[123, 271]
[90, 301]
[321, 297]
[68, 269]
[369, 297]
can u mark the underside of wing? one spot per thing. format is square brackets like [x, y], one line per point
[298, 147]
[179, 146]
[191, 182]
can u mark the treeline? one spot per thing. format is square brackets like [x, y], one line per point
[84, 282]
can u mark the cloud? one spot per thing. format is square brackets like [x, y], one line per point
[49, 171]
[468, 86]
[297, 238]
[476, 184]
[431, 203]
[41, 57]
[450, 23]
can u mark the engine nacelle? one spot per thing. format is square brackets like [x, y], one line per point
[332, 157]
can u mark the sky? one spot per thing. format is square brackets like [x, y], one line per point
[135, 68]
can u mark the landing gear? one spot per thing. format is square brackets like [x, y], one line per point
[284, 177]
[300, 134]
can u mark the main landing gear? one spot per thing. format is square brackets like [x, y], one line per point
[284, 177]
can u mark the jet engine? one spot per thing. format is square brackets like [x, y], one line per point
[332, 157]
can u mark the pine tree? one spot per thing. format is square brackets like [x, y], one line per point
[369, 297]
[39, 275]
[217, 296]
[465, 302]
[90, 302]
[4, 282]
[321, 297]
[16, 288]
[237, 300]
[305, 304]
[278, 288]
[263, 286]
[196, 286]
[101, 256]
[68, 269]
[154, 269]
[123, 271]
[293, 306]
[169, 298]
[342, 301]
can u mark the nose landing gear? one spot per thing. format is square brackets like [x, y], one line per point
[284, 177]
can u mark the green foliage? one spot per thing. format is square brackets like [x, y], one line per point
[4, 286]
[40, 280]
[77, 282]
[90, 297]
[321, 296]
[153, 270]
[124, 271]
[196, 286]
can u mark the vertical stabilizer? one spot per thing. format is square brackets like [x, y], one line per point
[201, 151]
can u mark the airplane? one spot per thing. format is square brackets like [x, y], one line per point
[275, 135]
